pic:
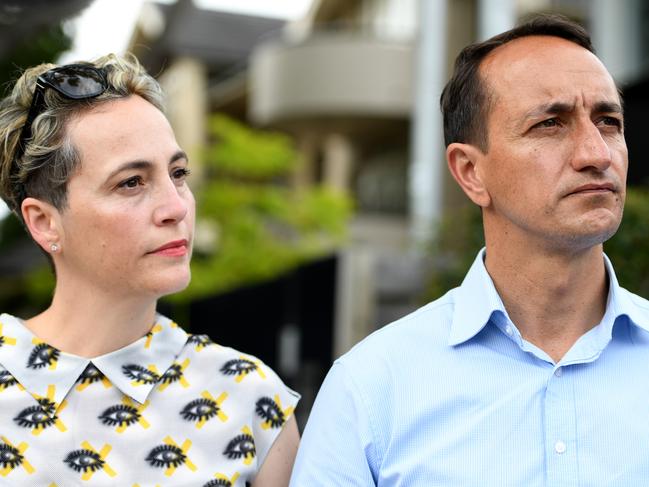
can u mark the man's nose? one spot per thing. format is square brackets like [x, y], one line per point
[590, 149]
[171, 205]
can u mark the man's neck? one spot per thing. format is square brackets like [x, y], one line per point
[89, 322]
[552, 298]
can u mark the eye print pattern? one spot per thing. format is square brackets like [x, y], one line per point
[84, 460]
[90, 375]
[47, 406]
[270, 412]
[140, 374]
[200, 409]
[10, 457]
[200, 341]
[120, 415]
[238, 366]
[165, 456]
[35, 417]
[42, 355]
[218, 483]
[172, 374]
[241, 446]
[6, 380]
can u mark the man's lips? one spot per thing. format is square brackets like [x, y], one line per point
[175, 248]
[594, 188]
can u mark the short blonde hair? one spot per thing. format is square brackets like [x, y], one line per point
[49, 157]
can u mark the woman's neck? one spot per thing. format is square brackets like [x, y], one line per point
[90, 324]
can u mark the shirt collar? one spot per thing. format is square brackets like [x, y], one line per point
[46, 372]
[477, 300]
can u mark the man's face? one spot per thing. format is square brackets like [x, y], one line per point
[555, 168]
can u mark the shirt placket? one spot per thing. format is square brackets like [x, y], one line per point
[560, 429]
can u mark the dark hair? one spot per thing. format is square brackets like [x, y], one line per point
[465, 100]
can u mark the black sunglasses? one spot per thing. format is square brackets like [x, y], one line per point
[72, 81]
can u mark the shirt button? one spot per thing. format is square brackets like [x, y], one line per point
[509, 330]
[560, 447]
[558, 372]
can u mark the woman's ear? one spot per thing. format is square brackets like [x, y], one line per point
[42, 222]
[465, 163]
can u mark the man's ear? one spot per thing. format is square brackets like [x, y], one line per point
[465, 163]
[42, 222]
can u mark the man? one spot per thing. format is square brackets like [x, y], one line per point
[534, 371]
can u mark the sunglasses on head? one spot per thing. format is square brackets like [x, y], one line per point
[72, 81]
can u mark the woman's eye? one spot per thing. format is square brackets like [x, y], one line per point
[34, 417]
[42, 355]
[120, 415]
[238, 366]
[84, 460]
[270, 412]
[240, 446]
[131, 183]
[166, 456]
[180, 173]
[200, 409]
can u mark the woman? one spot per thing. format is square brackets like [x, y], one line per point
[99, 389]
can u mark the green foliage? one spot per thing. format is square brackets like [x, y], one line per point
[252, 225]
[460, 236]
[628, 249]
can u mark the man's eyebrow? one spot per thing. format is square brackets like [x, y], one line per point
[146, 165]
[557, 108]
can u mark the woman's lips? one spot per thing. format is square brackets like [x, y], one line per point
[177, 248]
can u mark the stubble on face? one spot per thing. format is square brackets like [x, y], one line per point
[551, 131]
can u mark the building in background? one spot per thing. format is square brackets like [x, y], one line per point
[356, 83]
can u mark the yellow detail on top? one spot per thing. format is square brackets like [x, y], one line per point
[240, 377]
[7, 340]
[156, 329]
[150, 368]
[221, 415]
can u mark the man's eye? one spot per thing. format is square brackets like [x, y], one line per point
[120, 415]
[200, 409]
[34, 417]
[549, 123]
[84, 460]
[240, 446]
[612, 121]
[270, 412]
[166, 456]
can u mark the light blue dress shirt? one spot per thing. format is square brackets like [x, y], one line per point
[452, 395]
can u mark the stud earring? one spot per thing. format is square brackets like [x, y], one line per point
[54, 247]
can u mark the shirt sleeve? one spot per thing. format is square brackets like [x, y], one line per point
[337, 446]
[274, 404]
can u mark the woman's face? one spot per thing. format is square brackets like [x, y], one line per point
[129, 222]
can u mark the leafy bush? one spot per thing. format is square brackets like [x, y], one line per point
[460, 236]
